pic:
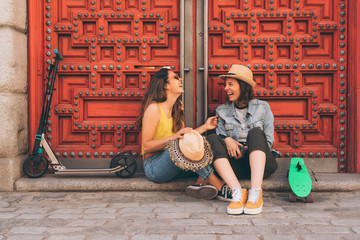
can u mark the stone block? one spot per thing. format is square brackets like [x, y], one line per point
[10, 171]
[14, 125]
[13, 13]
[13, 61]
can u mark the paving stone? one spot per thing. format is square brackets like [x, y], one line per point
[208, 230]
[356, 229]
[189, 222]
[328, 229]
[25, 237]
[315, 214]
[259, 230]
[131, 215]
[273, 209]
[346, 222]
[7, 209]
[173, 215]
[85, 223]
[247, 237]
[195, 237]
[282, 215]
[152, 237]
[67, 237]
[169, 209]
[166, 229]
[311, 221]
[107, 237]
[138, 210]
[28, 230]
[231, 222]
[68, 211]
[153, 222]
[66, 216]
[99, 216]
[68, 230]
[321, 237]
[201, 209]
[31, 216]
[277, 237]
[269, 222]
[7, 215]
[350, 237]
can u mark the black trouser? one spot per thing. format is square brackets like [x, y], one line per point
[256, 140]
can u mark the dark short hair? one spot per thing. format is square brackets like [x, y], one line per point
[246, 92]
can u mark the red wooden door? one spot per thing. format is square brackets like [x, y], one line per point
[110, 49]
[297, 51]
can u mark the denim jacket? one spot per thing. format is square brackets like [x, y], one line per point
[258, 115]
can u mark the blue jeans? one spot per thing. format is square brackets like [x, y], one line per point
[160, 168]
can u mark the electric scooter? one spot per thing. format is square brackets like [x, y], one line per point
[36, 165]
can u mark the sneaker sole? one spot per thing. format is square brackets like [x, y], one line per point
[235, 211]
[253, 211]
[204, 192]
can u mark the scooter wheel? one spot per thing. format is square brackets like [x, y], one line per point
[124, 160]
[35, 166]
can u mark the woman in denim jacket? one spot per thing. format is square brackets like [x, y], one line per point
[244, 138]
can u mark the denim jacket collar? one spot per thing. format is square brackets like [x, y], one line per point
[231, 111]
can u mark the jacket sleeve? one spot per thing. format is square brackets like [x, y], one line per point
[220, 128]
[269, 125]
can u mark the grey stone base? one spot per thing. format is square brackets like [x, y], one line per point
[10, 171]
[326, 182]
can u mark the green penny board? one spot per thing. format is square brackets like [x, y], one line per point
[299, 178]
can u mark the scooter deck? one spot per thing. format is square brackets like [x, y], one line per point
[299, 178]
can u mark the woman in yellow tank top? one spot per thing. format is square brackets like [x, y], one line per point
[162, 119]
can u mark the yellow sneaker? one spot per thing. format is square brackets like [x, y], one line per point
[255, 202]
[239, 197]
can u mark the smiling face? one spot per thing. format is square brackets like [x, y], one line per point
[232, 89]
[174, 83]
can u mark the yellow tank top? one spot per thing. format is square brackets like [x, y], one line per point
[164, 127]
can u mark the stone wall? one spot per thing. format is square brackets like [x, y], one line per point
[13, 91]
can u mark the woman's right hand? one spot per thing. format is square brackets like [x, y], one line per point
[180, 133]
[233, 148]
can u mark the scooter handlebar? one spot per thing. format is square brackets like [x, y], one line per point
[58, 56]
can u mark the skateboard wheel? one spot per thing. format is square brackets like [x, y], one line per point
[310, 198]
[292, 197]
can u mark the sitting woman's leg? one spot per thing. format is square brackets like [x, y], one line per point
[221, 163]
[262, 162]
[161, 168]
[259, 156]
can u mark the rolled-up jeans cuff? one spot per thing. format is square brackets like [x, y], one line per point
[205, 172]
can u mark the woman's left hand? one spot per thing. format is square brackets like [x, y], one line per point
[211, 122]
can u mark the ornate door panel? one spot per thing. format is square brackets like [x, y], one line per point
[110, 48]
[297, 51]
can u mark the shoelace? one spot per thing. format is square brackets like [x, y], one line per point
[236, 195]
[225, 191]
[254, 195]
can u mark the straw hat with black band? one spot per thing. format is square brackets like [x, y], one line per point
[193, 152]
[240, 72]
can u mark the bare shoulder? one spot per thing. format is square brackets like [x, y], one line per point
[152, 111]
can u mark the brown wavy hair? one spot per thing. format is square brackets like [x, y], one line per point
[156, 93]
[246, 92]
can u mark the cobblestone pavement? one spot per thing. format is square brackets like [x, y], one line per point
[173, 215]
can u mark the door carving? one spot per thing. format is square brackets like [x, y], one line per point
[297, 51]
